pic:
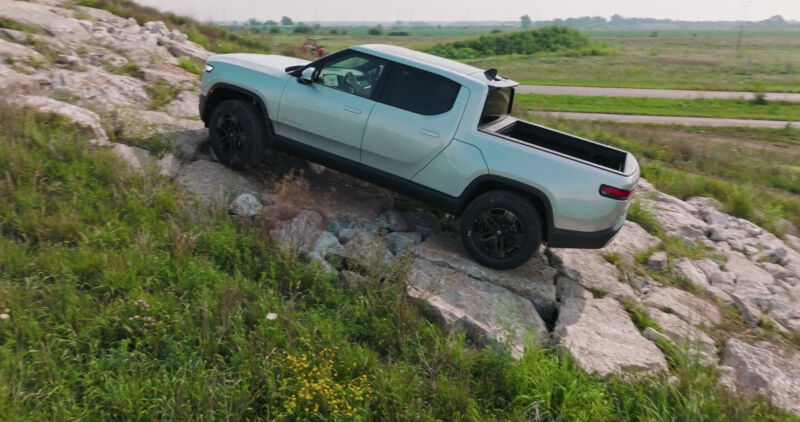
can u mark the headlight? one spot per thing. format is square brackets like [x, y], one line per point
[209, 68]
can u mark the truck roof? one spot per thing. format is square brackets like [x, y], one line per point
[446, 64]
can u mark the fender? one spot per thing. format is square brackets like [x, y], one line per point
[208, 102]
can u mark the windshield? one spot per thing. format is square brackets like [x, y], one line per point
[498, 104]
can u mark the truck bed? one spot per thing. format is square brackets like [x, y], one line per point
[563, 143]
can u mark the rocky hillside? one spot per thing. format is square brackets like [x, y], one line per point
[697, 281]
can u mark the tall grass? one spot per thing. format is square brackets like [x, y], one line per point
[125, 301]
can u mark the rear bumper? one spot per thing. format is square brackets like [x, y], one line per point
[559, 238]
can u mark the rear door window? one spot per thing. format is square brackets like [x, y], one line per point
[419, 91]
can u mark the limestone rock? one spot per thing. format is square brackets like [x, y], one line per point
[422, 222]
[172, 75]
[534, 280]
[589, 269]
[630, 240]
[767, 370]
[213, 183]
[328, 249]
[657, 261]
[687, 336]
[184, 105]
[101, 89]
[13, 51]
[301, 233]
[169, 166]
[686, 268]
[397, 242]
[486, 312]
[79, 115]
[133, 123]
[40, 16]
[393, 221]
[683, 304]
[600, 337]
[742, 267]
[245, 205]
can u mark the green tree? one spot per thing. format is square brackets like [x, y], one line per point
[525, 21]
[286, 21]
[253, 22]
[377, 30]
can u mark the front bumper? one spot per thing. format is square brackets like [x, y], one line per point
[202, 108]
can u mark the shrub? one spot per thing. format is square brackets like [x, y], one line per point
[376, 30]
[274, 30]
[302, 29]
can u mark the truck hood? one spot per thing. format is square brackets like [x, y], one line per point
[267, 63]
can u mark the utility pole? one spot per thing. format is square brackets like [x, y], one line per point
[741, 27]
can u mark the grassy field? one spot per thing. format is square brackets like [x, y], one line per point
[125, 301]
[753, 172]
[708, 60]
[734, 109]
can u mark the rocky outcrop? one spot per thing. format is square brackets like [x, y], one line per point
[485, 311]
[79, 115]
[600, 336]
[767, 370]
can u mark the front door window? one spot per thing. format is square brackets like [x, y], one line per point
[354, 73]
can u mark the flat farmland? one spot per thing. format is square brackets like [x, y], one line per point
[767, 61]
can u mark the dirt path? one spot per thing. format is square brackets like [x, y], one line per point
[668, 120]
[649, 93]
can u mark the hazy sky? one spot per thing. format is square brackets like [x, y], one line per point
[450, 10]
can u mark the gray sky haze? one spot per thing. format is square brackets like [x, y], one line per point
[473, 10]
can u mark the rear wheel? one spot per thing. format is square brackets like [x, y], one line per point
[237, 133]
[501, 229]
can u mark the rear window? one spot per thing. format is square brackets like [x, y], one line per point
[419, 91]
[498, 104]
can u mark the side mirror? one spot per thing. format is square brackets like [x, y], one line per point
[306, 76]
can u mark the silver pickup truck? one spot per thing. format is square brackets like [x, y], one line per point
[434, 129]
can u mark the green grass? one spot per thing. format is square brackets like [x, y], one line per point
[732, 109]
[192, 65]
[161, 93]
[128, 302]
[9, 24]
[767, 61]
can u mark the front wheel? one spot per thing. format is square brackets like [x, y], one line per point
[237, 133]
[501, 229]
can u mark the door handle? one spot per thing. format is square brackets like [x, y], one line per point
[430, 133]
[352, 109]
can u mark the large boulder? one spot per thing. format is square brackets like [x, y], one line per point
[686, 336]
[133, 123]
[534, 280]
[100, 89]
[589, 269]
[601, 337]
[767, 370]
[10, 52]
[487, 312]
[213, 183]
[78, 115]
[683, 304]
[184, 105]
[300, 234]
[35, 15]
[630, 240]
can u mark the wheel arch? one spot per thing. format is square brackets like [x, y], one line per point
[220, 92]
[488, 183]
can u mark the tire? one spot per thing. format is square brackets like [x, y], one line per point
[512, 216]
[238, 133]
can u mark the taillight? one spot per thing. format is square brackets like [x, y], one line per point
[615, 193]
